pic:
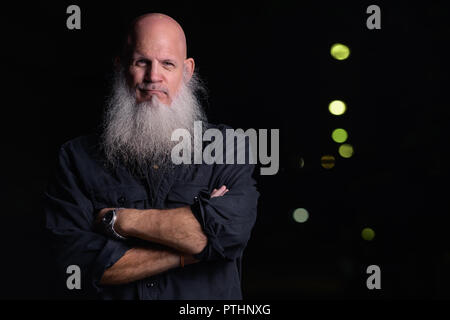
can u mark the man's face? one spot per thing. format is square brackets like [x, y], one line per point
[156, 65]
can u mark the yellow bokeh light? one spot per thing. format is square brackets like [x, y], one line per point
[302, 162]
[339, 135]
[327, 161]
[346, 150]
[340, 51]
[300, 215]
[368, 234]
[337, 107]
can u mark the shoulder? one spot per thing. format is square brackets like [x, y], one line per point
[80, 143]
[82, 147]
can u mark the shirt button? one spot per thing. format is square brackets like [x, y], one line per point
[155, 166]
[151, 284]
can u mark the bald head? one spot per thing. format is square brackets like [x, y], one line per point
[157, 25]
[156, 57]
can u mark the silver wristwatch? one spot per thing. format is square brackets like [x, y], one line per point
[108, 221]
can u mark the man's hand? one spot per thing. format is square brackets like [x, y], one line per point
[219, 192]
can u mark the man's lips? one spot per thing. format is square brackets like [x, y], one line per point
[153, 91]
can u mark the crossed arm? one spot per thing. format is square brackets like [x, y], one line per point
[176, 229]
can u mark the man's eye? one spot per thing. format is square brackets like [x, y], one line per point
[168, 63]
[141, 62]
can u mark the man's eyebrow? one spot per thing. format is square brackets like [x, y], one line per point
[169, 60]
[137, 54]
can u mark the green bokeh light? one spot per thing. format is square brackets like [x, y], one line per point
[346, 150]
[368, 234]
[340, 51]
[337, 107]
[339, 135]
[300, 215]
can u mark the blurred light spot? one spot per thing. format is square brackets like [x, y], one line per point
[337, 107]
[300, 215]
[346, 150]
[339, 135]
[340, 51]
[368, 234]
[327, 161]
[302, 163]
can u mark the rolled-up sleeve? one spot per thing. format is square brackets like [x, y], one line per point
[69, 220]
[227, 221]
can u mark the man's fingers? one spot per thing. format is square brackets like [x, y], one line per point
[215, 193]
[219, 192]
[224, 190]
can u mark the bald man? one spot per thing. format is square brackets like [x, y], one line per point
[137, 225]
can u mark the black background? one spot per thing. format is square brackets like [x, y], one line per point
[266, 65]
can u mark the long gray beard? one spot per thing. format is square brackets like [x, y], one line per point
[139, 134]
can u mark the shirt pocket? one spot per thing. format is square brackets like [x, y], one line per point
[182, 193]
[121, 197]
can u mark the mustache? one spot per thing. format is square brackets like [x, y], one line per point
[153, 86]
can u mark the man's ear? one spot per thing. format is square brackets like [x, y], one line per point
[189, 66]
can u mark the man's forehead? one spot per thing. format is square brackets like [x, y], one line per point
[163, 48]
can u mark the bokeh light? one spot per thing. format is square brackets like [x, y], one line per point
[337, 107]
[339, 135]
[302, 163]
[300, 215]
[368, 234]
[327, 161]
[346, 150]
[340, 51]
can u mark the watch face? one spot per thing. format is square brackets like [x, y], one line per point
[107, 217]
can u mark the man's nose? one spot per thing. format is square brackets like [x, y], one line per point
[153, 73]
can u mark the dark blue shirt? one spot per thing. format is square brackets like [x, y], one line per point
[83, 184]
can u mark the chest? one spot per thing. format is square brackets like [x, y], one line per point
[157, 189]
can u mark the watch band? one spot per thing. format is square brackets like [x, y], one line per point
[113, 221]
